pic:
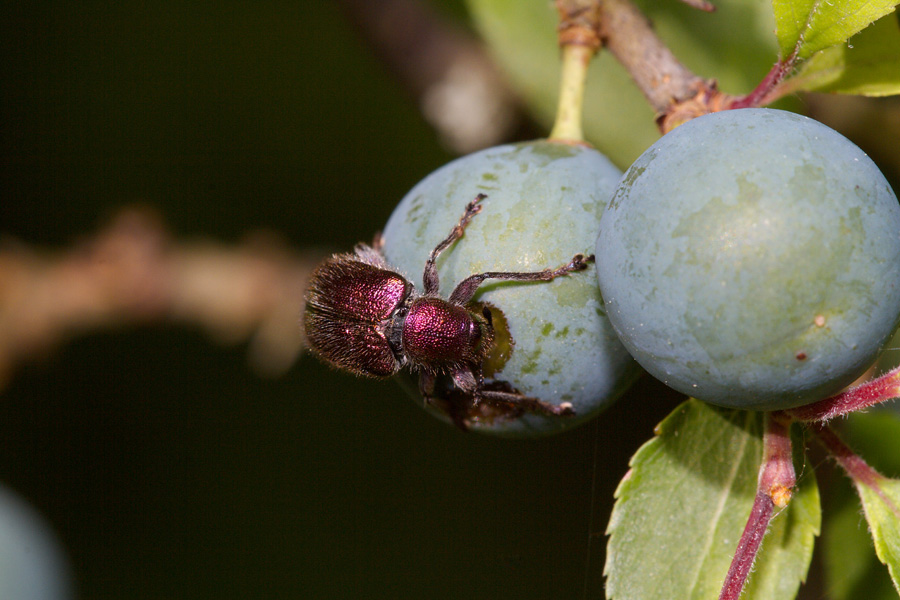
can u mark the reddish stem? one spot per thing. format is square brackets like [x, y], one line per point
[748, 547]
[856, 468]
[870, 393]
[765, 92]
[776, 482]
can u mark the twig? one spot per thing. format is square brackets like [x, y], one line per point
[627, 33]
[674, 92]
[132, 272]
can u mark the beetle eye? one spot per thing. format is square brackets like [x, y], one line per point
[487, 315]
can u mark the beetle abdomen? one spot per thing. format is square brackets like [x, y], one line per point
[356, 291]
[349, 309]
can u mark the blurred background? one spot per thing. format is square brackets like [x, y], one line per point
[169, 464]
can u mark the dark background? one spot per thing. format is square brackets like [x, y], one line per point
[167, 468]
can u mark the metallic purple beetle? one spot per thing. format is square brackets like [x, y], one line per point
[363, 317]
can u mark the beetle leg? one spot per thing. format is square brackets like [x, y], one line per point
[468, 286]
[528, 404]
[461, 404]
[426, 385]
[456, 412]
[469, 383]
[430, 277]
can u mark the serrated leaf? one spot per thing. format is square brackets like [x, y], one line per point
[682, 507]
[869, 65]
[881, 504]
[877, 436]
[804, 27]
[852, 570]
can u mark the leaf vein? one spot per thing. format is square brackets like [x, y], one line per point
[814, 8]
[720, 508]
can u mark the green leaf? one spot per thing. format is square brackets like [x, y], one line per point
[852, 569]
[869, 65]
[876, 436]
[682, 507]
[804, 27]
[881, 504]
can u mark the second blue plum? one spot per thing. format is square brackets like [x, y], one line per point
[751, 259]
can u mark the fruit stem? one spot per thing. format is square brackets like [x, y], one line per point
[774, 488]
[880, 389]
[579, 38]
[575, 60]
[766, 91]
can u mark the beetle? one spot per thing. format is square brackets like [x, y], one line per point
[363, 317]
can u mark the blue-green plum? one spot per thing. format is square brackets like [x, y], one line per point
[543, 205]
[751, 259]
[33, 563]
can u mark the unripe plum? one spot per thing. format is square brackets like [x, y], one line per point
[33, 563]
[751, 258]
[544, 203]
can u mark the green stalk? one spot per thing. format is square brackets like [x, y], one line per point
[575, 61]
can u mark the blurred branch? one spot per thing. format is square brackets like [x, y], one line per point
[463, 95]
[459, 89]
[132, 272]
